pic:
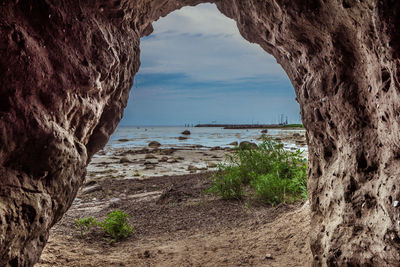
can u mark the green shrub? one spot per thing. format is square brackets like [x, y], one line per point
[270, 188]
[117, 226]
[272, 173]
[227, 183]
[84, 225]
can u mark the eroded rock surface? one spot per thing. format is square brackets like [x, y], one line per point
[67, 67]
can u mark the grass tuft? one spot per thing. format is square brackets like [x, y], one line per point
[115, 225]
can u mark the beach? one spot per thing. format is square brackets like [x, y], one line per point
[162, 184]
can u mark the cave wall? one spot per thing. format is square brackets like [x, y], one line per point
[67, 68]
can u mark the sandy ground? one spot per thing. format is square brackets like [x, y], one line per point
[176, 223]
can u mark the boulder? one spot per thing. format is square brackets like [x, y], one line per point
[124, 160]
[151, 162]
[186, 132]
[172, 160]
[150, 167]
[154, 144]
[247, 144]
[164, 159]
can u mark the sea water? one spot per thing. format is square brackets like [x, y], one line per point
[167, 136]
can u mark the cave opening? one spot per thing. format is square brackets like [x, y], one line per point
[203, 72]
[68, 68]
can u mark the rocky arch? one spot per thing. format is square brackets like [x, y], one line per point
[67, 67]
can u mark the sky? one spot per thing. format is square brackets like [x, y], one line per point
[197, 68]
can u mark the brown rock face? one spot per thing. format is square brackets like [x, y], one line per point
[66, 68]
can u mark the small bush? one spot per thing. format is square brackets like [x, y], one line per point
[270, 188]
[116, 225]
[84, 225]
[227, 183]
[272, 173]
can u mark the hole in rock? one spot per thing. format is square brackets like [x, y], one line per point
[158, 167]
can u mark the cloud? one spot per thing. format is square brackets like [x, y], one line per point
[205, 45]
[202, 19]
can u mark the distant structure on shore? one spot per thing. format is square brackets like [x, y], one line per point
[282, 123]
[252, 126]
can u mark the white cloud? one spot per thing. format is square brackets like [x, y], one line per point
[206, 46]
[204, 19]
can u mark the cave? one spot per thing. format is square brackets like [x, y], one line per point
[67, 68]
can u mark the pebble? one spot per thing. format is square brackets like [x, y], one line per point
[146, 254]
[268, 256]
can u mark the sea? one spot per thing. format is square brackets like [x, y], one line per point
[167, 136]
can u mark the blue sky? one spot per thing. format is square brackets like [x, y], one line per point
[196, 68]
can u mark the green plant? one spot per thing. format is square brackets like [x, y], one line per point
[227, 183]
[84, 225]
[117, 226]
[274, 174]
[270, 188]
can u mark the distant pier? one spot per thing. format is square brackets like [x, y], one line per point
[253, 126]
